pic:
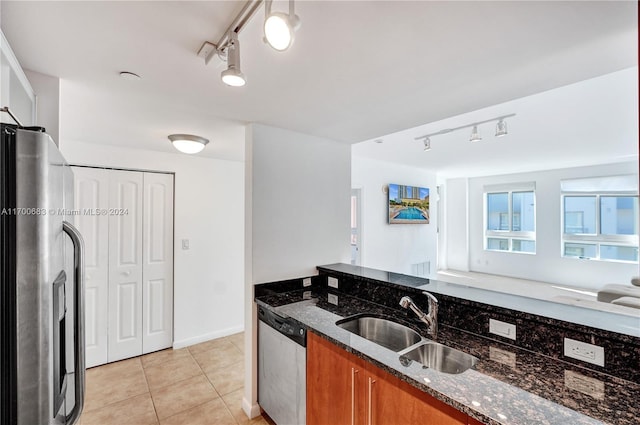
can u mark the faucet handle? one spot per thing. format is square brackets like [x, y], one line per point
[431, 297]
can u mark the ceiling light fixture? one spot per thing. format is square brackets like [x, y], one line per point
[475, 135]
[188, 143]
[233, 76]
[426, 141]
[280, 28]
[501, 130]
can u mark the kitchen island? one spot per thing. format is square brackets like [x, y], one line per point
[507, 385]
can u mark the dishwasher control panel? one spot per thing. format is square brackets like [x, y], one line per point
[285, 325]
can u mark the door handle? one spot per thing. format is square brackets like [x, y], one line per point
[78, 323]
[353, 395]
[126, 273]
[370, 409]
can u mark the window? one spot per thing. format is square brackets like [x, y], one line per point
[510, 219]
[602, 226]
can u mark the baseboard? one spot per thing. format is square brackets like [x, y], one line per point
[252, 410]
[206, 337]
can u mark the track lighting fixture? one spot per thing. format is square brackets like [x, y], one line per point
[475, 135]
[427, 143]
[279, 28]
[188, 143]
[233, 76]
[501, 130]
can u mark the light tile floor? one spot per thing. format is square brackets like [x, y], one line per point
[199, 385]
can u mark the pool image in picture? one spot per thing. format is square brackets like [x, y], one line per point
[408, 204]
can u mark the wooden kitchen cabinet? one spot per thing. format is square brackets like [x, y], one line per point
[331, 376]
[343, 389]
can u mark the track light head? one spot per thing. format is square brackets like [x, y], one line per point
[501, 128]
[427, 144]
[475, 135]
[279, 28]
[233, 76]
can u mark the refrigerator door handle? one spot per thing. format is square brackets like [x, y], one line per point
[78, 325]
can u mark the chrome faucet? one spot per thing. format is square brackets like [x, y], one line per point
[431, 318]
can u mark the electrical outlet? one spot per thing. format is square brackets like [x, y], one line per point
[333, 282]
[306, 295]
[306, 282]
[332, 299]
[185, 244]
[586, 352]
[504, 329]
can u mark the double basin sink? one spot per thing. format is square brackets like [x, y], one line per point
[408, 343]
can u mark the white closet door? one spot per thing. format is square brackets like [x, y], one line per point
[125, 264]
[92, 195]
[157, 270]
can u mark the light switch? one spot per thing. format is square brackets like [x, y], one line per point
[185, 244]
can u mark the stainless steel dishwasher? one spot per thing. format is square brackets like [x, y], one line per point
[282, 368]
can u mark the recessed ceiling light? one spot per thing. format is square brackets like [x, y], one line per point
[129, 76]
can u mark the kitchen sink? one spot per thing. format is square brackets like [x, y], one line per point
[384, 332]
[441, 358]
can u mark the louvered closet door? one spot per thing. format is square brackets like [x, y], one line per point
[125, 264]
[91, 195]
[157, 253]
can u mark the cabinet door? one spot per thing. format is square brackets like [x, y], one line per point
[91, 188]
[333, 381]
[125, 264]
[392, 401]
[157, 269]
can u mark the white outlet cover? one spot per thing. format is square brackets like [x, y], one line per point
[332, 299]
[333, 282]
[504, 329]
[306, 282]
[584, 351]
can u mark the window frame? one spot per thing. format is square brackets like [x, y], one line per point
[510, 234]
[597, 239]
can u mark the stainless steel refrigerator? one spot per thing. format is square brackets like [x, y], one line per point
[41, 291]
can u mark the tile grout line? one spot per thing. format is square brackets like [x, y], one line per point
[220, 396]
[146, 381]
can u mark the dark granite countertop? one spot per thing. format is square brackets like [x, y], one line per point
[507, 386]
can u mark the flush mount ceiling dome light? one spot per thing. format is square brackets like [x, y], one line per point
[188, 143]
[501, 130]
[233, 76]
[280, 28]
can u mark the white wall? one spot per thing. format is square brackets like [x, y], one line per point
[456, 225]
[47, 89]
[301, 203]
[393, 247]
[298, 203]
[547, 265]
[209, 211]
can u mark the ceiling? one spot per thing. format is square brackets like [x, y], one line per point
[357, 70]
[586, 123]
